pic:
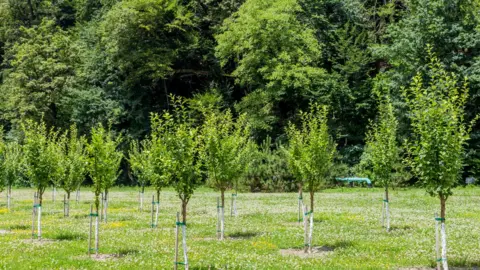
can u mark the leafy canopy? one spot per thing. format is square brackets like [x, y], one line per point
[438, 128]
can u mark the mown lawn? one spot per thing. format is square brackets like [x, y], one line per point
[347, 222]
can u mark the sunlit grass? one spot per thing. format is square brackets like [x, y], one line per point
[347, 225]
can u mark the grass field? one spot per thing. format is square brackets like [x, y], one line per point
[347, 226]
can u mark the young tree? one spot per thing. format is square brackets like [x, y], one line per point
[139, 158]
[312, 149]
[103, 161]
[75, 160]
[224, 151]
[439, 134]
[43, 158]
[186, 163]
[12, 166]
[381, 144]
[179, 145]
[2, 161]
[161, 156]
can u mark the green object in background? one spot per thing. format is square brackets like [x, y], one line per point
[355, 179]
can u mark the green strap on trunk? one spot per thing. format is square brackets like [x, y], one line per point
[439, 219]
[180, 223]
[441, 260]
[308, 213]
[385, 201]
[37, 205]
[181, 263]
[93, 215]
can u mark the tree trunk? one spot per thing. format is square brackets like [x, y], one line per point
[311, 199]
[443, 232]
[222, 197]
[158, 195]
[387, 209]
[68, 203]
[222, 214]
[184, 211]
[9, 196]
[106, 204]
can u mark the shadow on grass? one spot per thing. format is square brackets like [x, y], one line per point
[69, 236]
[122, 218]
[243, 235]
[126, 251]
[20, 227]
[401, 228]
[80, 216]
[462, 263]
[329, 247]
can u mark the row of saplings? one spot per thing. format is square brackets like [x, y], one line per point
[179, 150]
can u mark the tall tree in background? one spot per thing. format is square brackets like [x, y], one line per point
[437, 114]
[275, 57]
[381, 145]
[40, 71]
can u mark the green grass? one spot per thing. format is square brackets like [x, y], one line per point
[347, 221]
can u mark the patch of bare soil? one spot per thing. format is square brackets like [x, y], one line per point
[316, 252]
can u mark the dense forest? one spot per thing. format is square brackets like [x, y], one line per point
[85, 62]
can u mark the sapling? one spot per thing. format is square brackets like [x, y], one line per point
[186, 172]
[142, 164]
[2, 161]
[315, 150]
[103, 165]
[439, 135]
[42, 156]
[224, 151]
[381, 144]
[293, 155]
[12, 167]
[75, 160]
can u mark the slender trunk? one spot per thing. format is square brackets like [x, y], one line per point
[106, 204]
[39, 212]
[184, 241]
[90, 231]
[68, 203]
[157, 209]
[387, 210]
[153, 205]
[54, 193]
[175, 266]
[222, 214]
[102, 205]
[97, 240]
[300, 203]
[184, 211]
[311, 199]
[9, 196]
[158, 195]
[218, 218]
[305, 229]
[39, 226]
[310, 234]
[443, 232]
